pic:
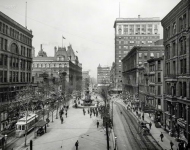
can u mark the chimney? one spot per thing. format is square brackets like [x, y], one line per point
[139, 16]
[41, 46]
[55, 50]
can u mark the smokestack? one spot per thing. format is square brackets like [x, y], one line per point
[41, 46]
[55, 50]
[139, 16]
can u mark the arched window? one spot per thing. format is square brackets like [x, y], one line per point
[14, 48]
[184, 89]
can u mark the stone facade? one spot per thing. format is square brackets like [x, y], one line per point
[131, 32]
[176, 25]
[52, 68]
[15, 61]
[132, 64]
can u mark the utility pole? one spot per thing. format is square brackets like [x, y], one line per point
[112, 112]
[107, 135]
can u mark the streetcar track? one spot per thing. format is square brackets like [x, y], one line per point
[143, 142]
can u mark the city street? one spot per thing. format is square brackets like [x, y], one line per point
[95, 75]
[75, 127]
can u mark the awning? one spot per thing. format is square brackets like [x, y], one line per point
[40, 123]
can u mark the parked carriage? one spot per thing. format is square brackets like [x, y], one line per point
[24, 124]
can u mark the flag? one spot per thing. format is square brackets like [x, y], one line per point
[63, 37]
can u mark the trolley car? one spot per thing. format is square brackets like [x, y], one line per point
[21, 125]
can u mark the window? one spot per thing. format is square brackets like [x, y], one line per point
[159, 77]
[159, 90]
[5, 76]
[184, 89]
[174, 49]
[174, 28]
[174, 67]
[140, 55]
[1, 76]
[14, 48]
[1, 59]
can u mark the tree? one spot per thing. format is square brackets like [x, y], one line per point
[25, 96]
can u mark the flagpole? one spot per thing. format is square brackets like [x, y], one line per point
[62, 41]
[26, 16]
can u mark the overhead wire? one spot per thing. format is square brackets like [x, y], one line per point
[56, 28]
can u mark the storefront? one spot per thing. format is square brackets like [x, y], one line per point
[182, 133]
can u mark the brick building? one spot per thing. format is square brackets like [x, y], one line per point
[176, 26]
[151, 88]
[15, 61]
[131, 32]
[132, 63]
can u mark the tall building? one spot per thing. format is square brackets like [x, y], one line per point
[131, 32]
[176, 26]
[52, 67]
[132, 63]
[103, 75]
[15, 61]
[85, 80]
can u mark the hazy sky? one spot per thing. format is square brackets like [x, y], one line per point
[86, 24]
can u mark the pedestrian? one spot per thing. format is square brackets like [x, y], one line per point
[90, 115]
[97, 123]
[77, 144]
[142, 117]
[61, 120]
[171, 144]
[150, 125]
[66, 114]
[161, 136]
[88, 111]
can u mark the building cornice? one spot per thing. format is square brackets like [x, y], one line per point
[15, 24]
[182, 5]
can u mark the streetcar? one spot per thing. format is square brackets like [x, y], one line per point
[21, 125]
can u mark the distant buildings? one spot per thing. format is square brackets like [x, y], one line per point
[45, 67]
[132, 64]
[85, 80]
[15, 61]
[131, 32]
[103, 75]
[176, 26]
[112, 79]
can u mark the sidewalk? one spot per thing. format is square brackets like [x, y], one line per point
[155, 132]
[75, 127]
